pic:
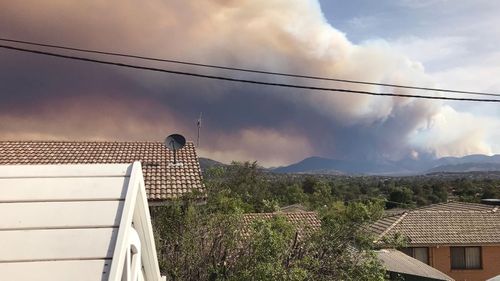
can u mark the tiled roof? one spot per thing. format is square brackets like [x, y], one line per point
[163, 180]
[305, 223]
[454, 223]
[457, 207]
[383, 224]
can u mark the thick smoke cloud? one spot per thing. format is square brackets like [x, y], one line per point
[49, 98]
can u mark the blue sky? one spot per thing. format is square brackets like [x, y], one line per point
[444, 35]
[456, 41]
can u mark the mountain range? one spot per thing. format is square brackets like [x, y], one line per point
[320, 165]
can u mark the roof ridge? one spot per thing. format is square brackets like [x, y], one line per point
[391, 226]
[281, 213]
[426, 208]
[453, 211]
[431, 205]
[85, 141]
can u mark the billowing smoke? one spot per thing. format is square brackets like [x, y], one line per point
[50, 98]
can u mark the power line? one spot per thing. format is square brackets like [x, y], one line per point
[248, 70]
[242, 80]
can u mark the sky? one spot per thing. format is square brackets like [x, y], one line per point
[429, 43]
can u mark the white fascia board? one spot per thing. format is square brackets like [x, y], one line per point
[136, 212]
[119, 256]
[66, 170]
[143, 226]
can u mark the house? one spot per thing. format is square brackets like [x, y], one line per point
[397, 264]
[75, 222]
[459, 239]
[164, 180]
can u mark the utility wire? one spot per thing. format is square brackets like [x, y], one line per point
[242, 80]
[246, 69]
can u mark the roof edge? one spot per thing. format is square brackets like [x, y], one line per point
[85, 141]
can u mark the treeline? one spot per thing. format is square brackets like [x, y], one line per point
[402, 192]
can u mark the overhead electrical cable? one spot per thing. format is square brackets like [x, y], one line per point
[296, 86]
[247, 69]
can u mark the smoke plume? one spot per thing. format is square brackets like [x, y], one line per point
[50, 98]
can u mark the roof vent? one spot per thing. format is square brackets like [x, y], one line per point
[175, 142]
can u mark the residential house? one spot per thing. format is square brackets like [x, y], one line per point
[459, 239]
[164, 180]
[75, 222]
[398, 265]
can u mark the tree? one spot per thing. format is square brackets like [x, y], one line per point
[266, 254]
[400, 197]
[208, 241]
[193, 241]
[343, 249]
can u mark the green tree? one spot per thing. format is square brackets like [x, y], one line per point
[343, 249]
[266, 254]
[400, 197]
[208, 241]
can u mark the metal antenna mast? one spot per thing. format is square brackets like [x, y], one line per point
[198, 124]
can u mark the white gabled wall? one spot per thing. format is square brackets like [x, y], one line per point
[135, 218]
[74, 222]
[60, 222]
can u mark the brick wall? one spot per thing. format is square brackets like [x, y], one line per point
[439, 258]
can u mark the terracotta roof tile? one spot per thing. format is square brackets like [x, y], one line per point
[454, 223]
[163, 180]
[383, 224]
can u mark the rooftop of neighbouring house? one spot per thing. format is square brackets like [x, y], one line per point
[398, 262]
[163, 179]
[452, 223]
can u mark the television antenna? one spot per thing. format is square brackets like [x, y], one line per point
[198, 124]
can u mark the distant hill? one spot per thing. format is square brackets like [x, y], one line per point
[466, 167]
[315, 165]
[206, 163]
[327, 166]
[474, 158]
[320, 165]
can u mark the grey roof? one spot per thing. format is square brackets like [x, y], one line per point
[496, 278]
[163, 180]
[454, 223]
[396, 261]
